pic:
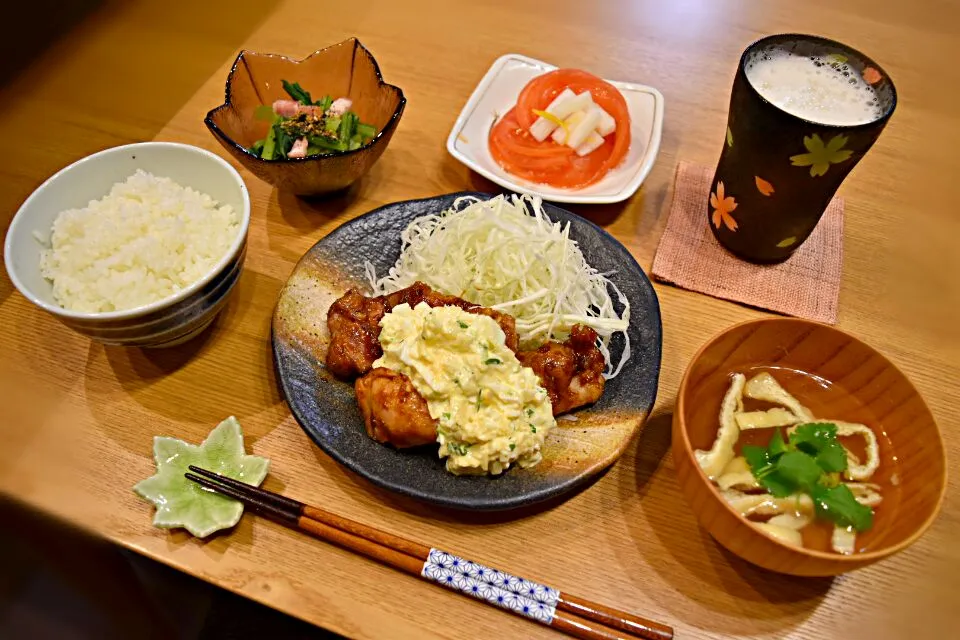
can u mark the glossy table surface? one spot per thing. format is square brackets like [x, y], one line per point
[77, 418]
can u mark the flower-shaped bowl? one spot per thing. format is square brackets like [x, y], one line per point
[346, 69]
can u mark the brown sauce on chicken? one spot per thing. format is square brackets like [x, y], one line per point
[394, 411]
[571, 371]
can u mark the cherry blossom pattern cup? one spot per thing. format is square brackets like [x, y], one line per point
[803, 111]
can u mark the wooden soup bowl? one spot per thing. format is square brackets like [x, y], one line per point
[877, 394]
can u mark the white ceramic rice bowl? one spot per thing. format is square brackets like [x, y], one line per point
[169, 321]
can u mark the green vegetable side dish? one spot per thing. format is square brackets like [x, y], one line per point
[810, 462]
[183, 503]
[302, 127]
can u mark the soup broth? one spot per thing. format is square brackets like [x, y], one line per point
[829, 401]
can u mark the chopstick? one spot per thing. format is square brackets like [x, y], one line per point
[534, 601]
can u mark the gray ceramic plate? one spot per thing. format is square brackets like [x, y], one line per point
[326, 407]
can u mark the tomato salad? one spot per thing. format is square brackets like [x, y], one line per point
[538, 140]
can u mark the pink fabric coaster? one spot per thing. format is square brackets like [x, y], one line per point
[689, 256]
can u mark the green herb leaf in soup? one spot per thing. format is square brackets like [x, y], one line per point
[777, 446]
[809, 479]
[765, 471]
[840, 506]
[799, 469]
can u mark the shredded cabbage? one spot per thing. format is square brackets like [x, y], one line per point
[505, 253]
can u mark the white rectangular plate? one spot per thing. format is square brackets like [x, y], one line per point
[497, 93]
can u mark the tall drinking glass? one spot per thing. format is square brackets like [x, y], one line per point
[803, 111]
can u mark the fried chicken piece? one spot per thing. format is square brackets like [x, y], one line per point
[393, 410]
[571, 372]
[354, 323]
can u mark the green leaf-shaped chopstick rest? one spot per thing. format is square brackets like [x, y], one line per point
[182, 503]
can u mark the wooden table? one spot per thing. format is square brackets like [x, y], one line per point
[77, 418]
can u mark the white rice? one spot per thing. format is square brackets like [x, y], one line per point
[144, 241]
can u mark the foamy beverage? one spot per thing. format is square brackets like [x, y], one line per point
[803, 111]
[820, 88]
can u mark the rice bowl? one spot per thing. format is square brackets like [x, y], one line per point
[145, 240]
[167, 321]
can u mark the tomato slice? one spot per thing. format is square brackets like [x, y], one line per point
[547, 162]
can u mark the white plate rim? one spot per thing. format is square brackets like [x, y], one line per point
[643, 168]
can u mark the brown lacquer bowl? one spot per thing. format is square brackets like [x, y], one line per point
[846, 380]
[346, 69]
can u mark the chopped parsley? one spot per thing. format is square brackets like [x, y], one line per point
[533, 428]
[513, 446]
[458, 448]
[446, 416]
[479, 393]
[463, 325]
[492, 361]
